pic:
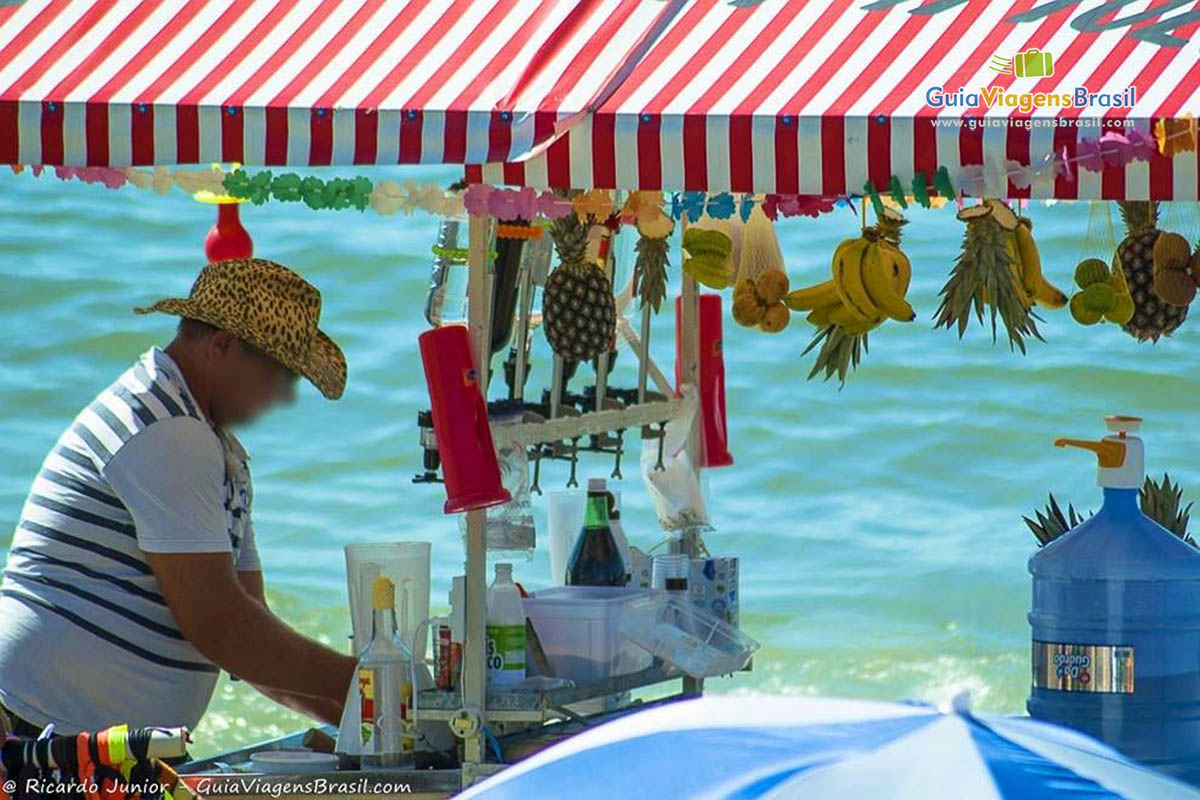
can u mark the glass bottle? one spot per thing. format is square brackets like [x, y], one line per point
[596, 559]
[385, 686]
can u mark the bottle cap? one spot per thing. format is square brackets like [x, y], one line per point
[597, 485]
[504, 571]
[1120, 455]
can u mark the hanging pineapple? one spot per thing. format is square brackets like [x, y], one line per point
[1153, 316]
[644, 209]
[988, 273]
[1161, 502]
[650, 271]
[578, 309]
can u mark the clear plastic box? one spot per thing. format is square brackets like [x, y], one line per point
[580, 630]
[685, 636]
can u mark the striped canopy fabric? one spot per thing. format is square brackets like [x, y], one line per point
[783, 748]
[785, 96]
[304, 82]
[817, 96]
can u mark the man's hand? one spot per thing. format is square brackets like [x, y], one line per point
[321, 708]
[237, 632]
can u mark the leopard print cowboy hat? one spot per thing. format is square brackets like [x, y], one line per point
[272, 308]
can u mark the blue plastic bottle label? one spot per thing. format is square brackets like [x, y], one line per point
[1083, 667]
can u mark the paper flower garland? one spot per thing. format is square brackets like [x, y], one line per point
[1175, 135]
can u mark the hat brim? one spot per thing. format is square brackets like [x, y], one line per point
[325, 367]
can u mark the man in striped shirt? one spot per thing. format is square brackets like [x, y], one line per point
[133, 575]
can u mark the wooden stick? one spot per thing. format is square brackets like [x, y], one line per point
[474, 674]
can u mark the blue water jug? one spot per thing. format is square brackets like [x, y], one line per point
[1116, 621]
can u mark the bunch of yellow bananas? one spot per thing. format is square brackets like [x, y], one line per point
[870, 280]
[1024, 261]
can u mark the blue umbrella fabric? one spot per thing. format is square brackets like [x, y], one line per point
[791, 748]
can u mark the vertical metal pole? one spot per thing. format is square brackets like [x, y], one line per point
[610, 271]
[556, 385]
[524, 303]
[474, 675]
[644, 366]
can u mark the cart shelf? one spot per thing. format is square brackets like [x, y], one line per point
[539, 706]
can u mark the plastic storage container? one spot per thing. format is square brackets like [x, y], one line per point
[580, 630]
[686, 637]
[1116, 622]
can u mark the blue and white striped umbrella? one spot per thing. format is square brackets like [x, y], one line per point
[754, 748]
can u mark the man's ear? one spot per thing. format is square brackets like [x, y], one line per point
[220, 343]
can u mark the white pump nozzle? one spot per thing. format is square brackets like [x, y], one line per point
[1121, 455]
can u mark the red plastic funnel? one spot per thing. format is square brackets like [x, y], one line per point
[460, 421]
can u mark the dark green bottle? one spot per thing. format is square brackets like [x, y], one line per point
[596, 560]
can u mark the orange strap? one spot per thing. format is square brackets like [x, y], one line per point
[87, 767]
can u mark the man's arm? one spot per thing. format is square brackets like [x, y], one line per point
[237, 632]
[320, 708]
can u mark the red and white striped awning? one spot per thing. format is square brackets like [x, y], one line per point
[786, 96]
[304, 82]
[812, 97]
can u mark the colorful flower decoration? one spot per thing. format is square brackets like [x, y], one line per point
[920, 190]
[553, 205]
[971, 180]
[721, 206]
[1175, 135]
[596, 204]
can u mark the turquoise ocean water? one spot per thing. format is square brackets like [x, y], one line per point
[879, 527]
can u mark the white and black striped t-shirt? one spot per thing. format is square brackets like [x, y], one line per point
[86, 638]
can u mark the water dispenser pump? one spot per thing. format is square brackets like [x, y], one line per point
[1116, 621]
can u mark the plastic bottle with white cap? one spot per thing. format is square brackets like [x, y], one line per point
[596, 559]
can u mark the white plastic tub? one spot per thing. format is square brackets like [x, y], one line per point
[580, 630]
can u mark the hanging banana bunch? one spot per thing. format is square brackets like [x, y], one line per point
[999, 268]
[869, 283]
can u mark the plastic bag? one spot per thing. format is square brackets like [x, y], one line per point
[509, 527]
[675, 488]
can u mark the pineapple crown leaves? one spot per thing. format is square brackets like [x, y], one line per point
[650, 271]
[1160, 501]
[1139, 215]
[570, 239]
[982, 277]
[840, 353]
[1052, 523]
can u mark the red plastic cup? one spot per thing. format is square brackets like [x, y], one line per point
[227, 238]
[715, 434]
[460, 421]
